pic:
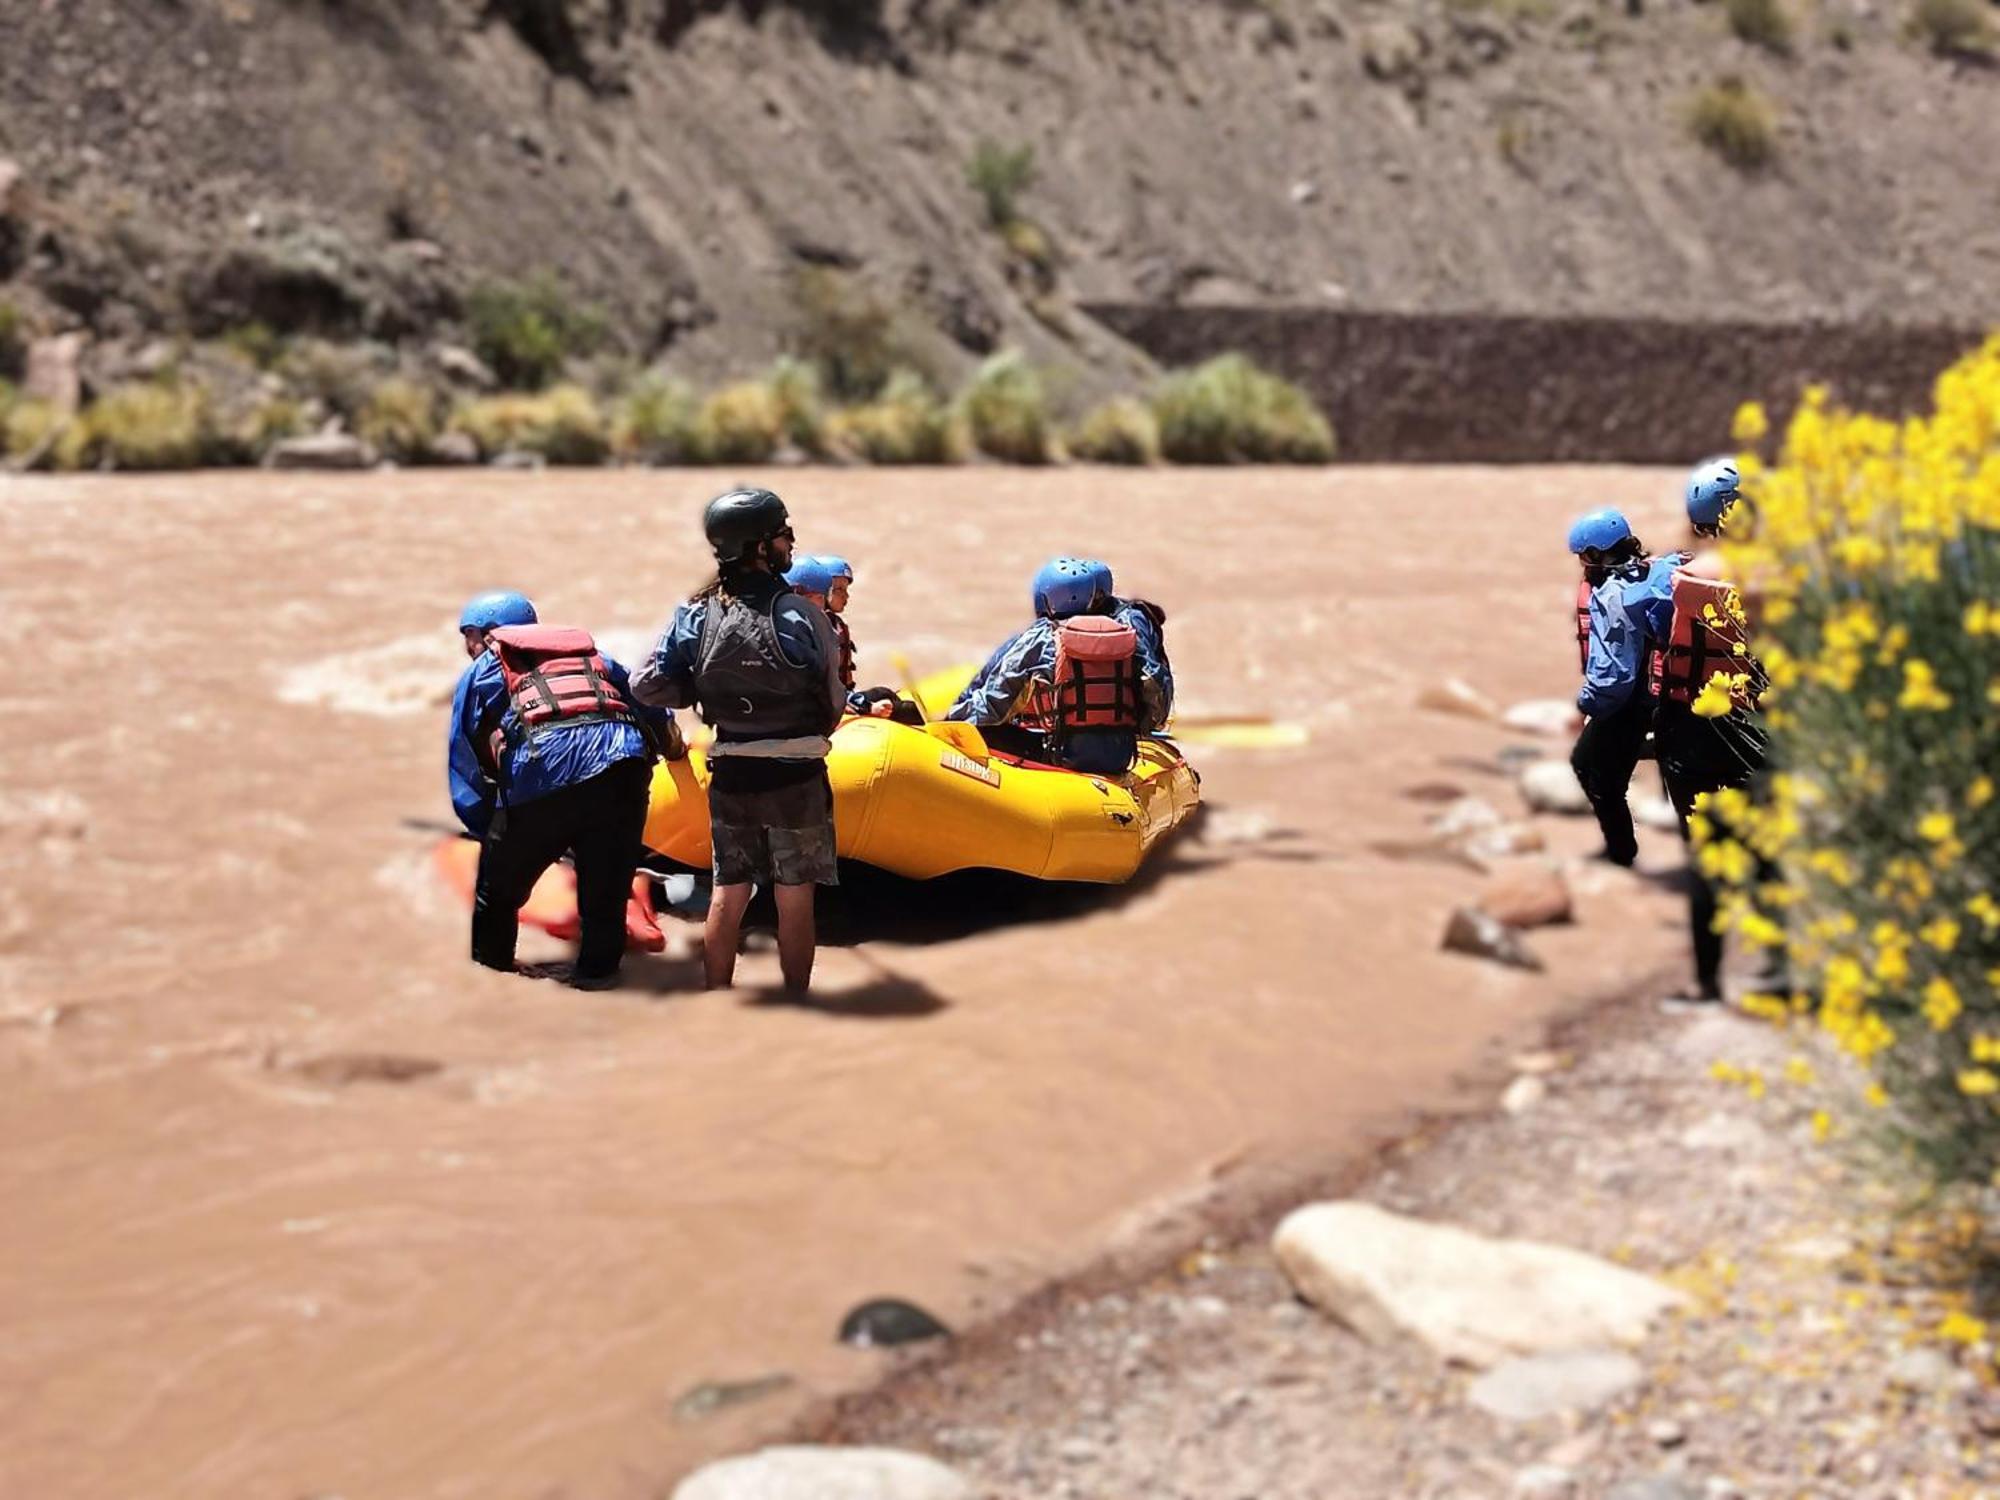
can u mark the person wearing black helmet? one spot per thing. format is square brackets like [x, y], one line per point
[762, 664]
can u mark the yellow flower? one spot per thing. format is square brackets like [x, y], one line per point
[1798, 1070]
[1714, 700]
[1961, 1328]
[1941, 934]
[1921, 694]
[1822, 1125]
[1936, 827]
[1751, 423]
[1985, 1048]
[1876, 1096]
[1977, 1083]
[1941, 1003]
[1980, 792]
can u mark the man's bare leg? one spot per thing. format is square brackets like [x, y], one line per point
[796, 935]
[721, 933]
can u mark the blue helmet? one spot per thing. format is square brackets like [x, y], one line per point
[809, 575]
[836, 567]
[495, 608]
[1100, 571]
[1599, 531]
[1065, 586]
[1711, 491]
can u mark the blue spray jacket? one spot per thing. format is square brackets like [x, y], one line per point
[1630, 612]
[560, 756]
[1154, 668]
[994, 697]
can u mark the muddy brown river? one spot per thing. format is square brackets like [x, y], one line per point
[299, 1202]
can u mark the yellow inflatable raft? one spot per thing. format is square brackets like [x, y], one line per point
[924, 802]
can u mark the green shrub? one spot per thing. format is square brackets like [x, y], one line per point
[13, 341]
[655, 422]
[1762, 23]
[846, 331]
[1121, 431]
[1006, 411]
[267, 423]
[1000, 174]
[907, 424]
[525, 330]
[400, 420]
[151, 425]
[797, 387]
[338, 376]
[1953, 28]
[1229, 411]
[1733, 121]
[36, 435]
[564, 425]
[256, 344]
[739, 424]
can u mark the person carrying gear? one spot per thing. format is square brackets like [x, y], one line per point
[825, 580]
[1707, 635]
[763, 664]
[1067, 689]
[1624, 613]
[1149, 622]
[564, 753]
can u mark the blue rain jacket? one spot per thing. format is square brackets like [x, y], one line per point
[559, 757]
[995, 692]
[1153, 663]
[1630, 612]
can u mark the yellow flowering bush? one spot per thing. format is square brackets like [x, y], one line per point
[1870, 550]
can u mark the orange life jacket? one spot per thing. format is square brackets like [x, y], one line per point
[1583, 593]
[1096, 680]
[554, 675]
[1698, 647]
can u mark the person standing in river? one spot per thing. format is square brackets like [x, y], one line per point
[763, 665]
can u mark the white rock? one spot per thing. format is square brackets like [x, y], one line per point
[812, 1473]
[55, 372]
[1922, 1369]
[455, 448]
[1655, 812]
[323, 450]
[1724, 1132]
[1544, 1482]
[1666, 1433]
[1551, 786]
[1470, 1299]
[1453, 696]
[1542, 1385]
[1523, 1094]
[1555, 717]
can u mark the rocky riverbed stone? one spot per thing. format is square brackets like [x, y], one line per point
[1473, 932]
[1543, 1385]
[1526, 893]
[1472, 1300]
[816, 1473]
[1554, 717]
[1550, 786]
[323, 450]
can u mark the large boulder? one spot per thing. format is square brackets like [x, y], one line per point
[1470, 1299]
[1456, 696]
[809, 1473]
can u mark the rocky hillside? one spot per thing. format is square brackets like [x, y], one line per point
[727, 178]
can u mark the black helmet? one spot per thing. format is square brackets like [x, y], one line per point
[737, 520]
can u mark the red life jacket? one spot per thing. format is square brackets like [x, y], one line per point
[846, 639]
[1583, 593]
[1697, 648]
[1096, 680]
[554, 676]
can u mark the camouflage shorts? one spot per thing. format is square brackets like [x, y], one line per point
[781, 837]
